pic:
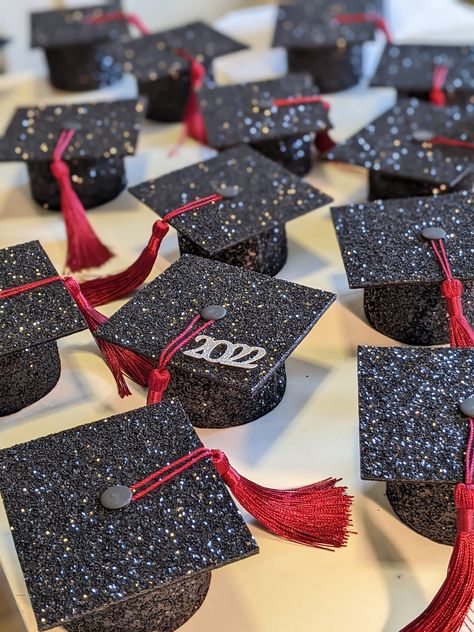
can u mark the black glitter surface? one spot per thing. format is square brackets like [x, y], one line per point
[427, 508]
[51, 29]
[95, 180]
[269, 197]
[261, 312]
[107, 129]
[162, 610]
[387, 146]
[37, 316]
[210, 406]
[312, 24]
[78, 557]
[153, 57]
[242, 114]
[265, 253]
[27, 376]
[82, 67]
[411, 428]
[414, 313]
[333, 68]
[409, 68]
[381, 242]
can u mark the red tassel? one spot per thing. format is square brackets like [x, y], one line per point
[157, 384]
[360, 18]
[192, 118]
[324, 142]
[115, 286]
[85, 250]
[437, 96]
[117, 16]
[451, 605]
[317, 515]
[120, 361]
[460, 331]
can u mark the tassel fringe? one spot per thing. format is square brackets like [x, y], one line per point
[110, 288]
[120, 361]
[317, 515]
[451, 606]
[84, 248]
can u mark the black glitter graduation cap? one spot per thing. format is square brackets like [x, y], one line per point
[385, 252]
[76, 49]
[247, 227]
[416, 411]
[30, 324]
[160, 62]
[415, 148]
[234, 373]
[89, 141]
[145, 566]
[441, 74]
[272, 116]
[413, 433]
[325, 38]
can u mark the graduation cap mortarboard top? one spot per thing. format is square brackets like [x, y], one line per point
[218, 337]
[325, 39]
[281, 118]
[440, 74]
[30, 325]
[387, 251]
[415, 148]
[119, 523]
[170, 65]
[246, 227]
[75, 158]
[37, 307]
[416, 433]
[76, 48]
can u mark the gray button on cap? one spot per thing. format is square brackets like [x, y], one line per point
[116, 497]
[75, 125]
[422, 135]
[433, 232]
[227, 191]
[467, 406]
[265, 104]
[213, 312]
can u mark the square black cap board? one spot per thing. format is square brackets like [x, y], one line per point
[388, 145]
[381, 242]
[411, 427]
[262, 312]
[268, 195]
[154, 56]
[37, 316]
[410, 67]
[52, 29]
[78, 557]
[243, 113]
[312, 24]
[103, 130]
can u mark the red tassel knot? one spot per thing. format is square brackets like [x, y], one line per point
[157, 385]
[437, 96]
[159, 378]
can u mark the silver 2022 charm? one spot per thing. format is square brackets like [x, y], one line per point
[224, 352]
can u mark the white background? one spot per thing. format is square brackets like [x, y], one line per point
[387, 574]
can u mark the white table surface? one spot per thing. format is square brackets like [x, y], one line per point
[387, 574]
